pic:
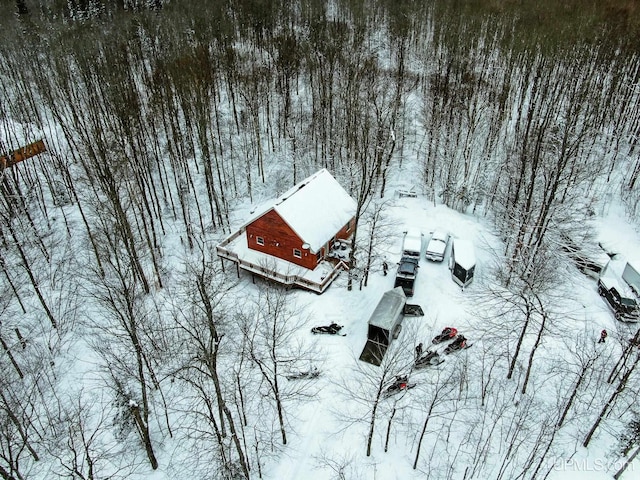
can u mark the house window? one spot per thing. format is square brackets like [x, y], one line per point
[297, 253]
[348, 225]
[260, 241]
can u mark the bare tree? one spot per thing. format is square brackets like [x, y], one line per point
[629, 445]
[623, 383]
[205, 330]
[28, 267]
[585, 355]
[379, 228]
[269, 327]
[366, 387]
[81, 444]
[127, 331]
[433, 394]
[26, 418]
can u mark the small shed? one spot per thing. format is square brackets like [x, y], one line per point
[385, 324]
[462, 262]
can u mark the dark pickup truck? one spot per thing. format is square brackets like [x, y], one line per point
[406, 274]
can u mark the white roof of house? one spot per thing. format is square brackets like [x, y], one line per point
[316, 208]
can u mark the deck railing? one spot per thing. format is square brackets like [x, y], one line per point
[272, 274]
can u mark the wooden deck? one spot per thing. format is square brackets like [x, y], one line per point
[275, 269]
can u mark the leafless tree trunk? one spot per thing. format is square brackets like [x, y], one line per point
[544, 317]
[622, 384]
[126, 332]
[207, 290]
[268, 328]
[438, 393]
[626, 463]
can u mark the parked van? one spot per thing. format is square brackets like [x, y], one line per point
[618, 294]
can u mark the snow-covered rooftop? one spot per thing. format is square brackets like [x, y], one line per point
[316, 208]
[390, 306]
[612, 277]
[412, 241]
[464, 253]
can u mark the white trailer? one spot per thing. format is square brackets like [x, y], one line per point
[462, 262]
[385, 324]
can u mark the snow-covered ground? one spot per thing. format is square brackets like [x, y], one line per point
[324, 445]
[319, 431]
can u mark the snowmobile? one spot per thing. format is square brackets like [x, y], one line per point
[400, 384]
[429, 358]
[312, 373]
[459, 343]
[333, 329]
[447, 334]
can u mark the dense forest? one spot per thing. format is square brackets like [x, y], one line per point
[160, 117]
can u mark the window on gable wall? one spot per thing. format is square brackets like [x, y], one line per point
[260, 241]
[297, 253]
[348, 225]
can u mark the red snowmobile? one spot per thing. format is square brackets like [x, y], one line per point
[400, 384]
[459, 343]
[447, 334]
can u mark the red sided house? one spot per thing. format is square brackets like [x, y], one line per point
[294, 240]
